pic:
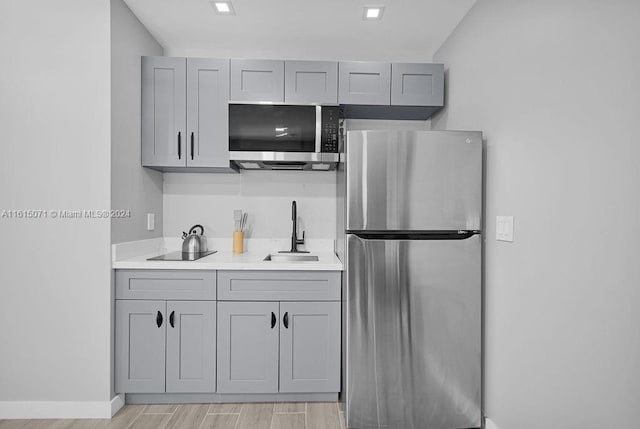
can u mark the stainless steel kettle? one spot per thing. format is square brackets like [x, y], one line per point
[192, 242]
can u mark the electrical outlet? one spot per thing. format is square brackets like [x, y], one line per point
[151, 221]
[504, 228]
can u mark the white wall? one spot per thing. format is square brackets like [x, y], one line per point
[554, 85]
[132, 187]
[54, 281]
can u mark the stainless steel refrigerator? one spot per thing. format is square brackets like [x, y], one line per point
[409, 220]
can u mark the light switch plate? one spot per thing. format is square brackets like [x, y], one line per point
[504, 228]
[151, 221]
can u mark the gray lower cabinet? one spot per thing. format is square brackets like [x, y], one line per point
[310, 347]
[248, 347]
[140, 336]
[271, 347]
[165, 346]
[185, 114]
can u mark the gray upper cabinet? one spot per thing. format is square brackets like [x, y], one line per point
[140, 346]
[191, 346]
[248, 347]
[417, 84]
[207, 112]
[310, 347]
[257, 80]
[184, 114]
[311, 82]
[369, 90]
[164, 121]
[364, 82]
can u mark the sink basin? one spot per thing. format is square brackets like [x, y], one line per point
[288, 257]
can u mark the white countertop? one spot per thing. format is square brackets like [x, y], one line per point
[134, 255]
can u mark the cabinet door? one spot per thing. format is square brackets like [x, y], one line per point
[364, 82]
[311, 82]
[207, 112]
[310, 347]
[164, 140]
[140, 346]
[191, 346]
[257, 80]
[247, 347]
[417, 84]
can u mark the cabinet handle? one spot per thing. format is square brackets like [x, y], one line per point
[171, 318]
[179, 145]
[159, 319]
[191, 145]
[285, 320]
[273, 320]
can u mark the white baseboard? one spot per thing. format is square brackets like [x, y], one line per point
[488, 424]
[60, 409]
[116, 403]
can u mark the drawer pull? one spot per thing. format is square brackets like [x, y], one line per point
[159, 319]
[171, 319]
[273, 320]
[285, 320]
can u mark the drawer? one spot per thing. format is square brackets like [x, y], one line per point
[279, 285]
[166, 284]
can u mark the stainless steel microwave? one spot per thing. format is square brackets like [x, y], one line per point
[284, 136]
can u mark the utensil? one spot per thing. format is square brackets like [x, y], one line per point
[237, 217]
[243, 223]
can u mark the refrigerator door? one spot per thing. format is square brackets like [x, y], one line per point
[413, 180]
[413, 334]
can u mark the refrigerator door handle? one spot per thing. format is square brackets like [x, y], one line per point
[415, 235]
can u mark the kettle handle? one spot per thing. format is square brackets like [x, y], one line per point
[191, 231]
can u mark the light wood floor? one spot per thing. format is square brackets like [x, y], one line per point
[311, 415]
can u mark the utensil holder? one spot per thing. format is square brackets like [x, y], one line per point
[238, 242]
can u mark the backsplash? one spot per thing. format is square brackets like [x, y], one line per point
[209, 199]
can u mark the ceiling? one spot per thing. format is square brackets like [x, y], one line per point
[302, 29]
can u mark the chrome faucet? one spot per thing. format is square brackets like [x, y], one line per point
[294, 235]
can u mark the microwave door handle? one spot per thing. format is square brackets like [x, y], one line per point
[318, 128]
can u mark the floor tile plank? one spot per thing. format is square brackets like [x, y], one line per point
[322, 415]
[160, 409]
[122, 419]
[188, 416]
[220, 421]
[225, 408]
[255, 416]
[288, 421]
[290, 407]
[12, 424]
[150, 421]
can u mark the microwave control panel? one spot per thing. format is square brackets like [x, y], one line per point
[330, 128]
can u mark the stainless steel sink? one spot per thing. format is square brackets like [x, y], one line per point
[287, 257]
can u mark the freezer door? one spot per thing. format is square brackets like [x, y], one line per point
[413, 334]
[413, 180]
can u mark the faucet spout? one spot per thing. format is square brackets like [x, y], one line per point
[295, 242]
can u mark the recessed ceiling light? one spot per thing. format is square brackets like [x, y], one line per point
[372, 13]
[223, 7]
